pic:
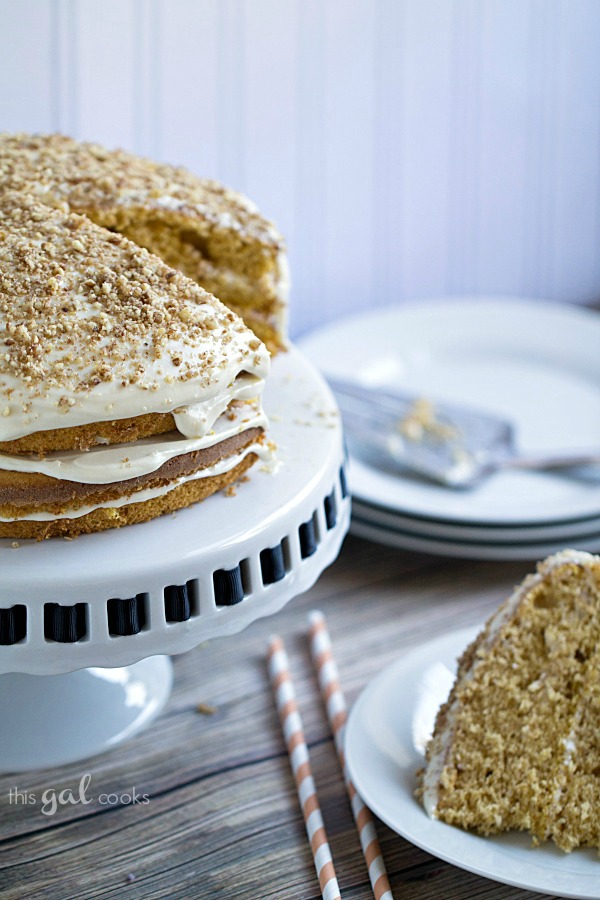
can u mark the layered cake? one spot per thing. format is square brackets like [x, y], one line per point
[517, 744]
[126, 389]
[212, 234]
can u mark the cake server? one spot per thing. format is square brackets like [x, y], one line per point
[445, 442]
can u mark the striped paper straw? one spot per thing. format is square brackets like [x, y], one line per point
[329, 682]
[293, 734]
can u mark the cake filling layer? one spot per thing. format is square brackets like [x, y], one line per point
[197, 420]
[106, 464]
[262, 451]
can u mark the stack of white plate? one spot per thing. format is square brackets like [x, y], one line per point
[534, 363]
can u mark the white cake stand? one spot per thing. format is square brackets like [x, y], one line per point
[96, 615]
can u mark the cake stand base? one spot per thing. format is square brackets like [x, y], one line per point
[73, 716]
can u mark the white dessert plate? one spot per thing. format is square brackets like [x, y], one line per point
[529, 361]
[386, 734]
[559, 531]
[412, 539]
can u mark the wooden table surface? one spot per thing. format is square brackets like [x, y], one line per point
[222, 819]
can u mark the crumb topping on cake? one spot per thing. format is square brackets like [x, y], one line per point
[86, 314]
[61, 170]
[212, 234]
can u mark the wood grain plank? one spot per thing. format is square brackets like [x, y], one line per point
[191, 845]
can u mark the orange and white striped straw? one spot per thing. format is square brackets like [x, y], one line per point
[333, 698]
[293, 735]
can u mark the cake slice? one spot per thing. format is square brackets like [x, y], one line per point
[517, 744]
[126, 390]
[212, 234]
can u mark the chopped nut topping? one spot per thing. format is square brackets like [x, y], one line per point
[89, 179]
[69, 322]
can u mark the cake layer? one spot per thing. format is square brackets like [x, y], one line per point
[83, 437]
[29, 494]
[260, 298]
[517, 746]
[96, 329]
[130, 513]
[122, 462]
[191, 421]
[211, 233]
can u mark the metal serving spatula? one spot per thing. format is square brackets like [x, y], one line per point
[447, 443]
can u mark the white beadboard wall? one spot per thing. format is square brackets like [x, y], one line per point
[406, 148]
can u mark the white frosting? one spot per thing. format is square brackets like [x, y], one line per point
[224, 465]
[442, 741]
[222, 218]
[105, 464]
[197, 420]
[167, 201]
[159, 390]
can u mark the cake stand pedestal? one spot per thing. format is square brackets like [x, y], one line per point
[85, 624]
